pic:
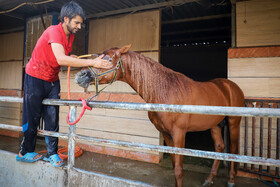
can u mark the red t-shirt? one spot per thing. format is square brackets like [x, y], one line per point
[43, 64]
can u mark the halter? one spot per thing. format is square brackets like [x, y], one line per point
[97, 75]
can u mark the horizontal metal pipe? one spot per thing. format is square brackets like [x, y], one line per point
[10, 127]
[54, 134]
[11, 99]
[40, 132]
[210, 110]
[165, 149]
[195, 109]
[186, 152]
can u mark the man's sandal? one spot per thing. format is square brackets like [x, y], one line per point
[54, 159]
[28, 157]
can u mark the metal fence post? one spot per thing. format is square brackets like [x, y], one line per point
[71, 142]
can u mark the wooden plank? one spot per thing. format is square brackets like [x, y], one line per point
[258, 23]
[254, 52]
[140, 29]
[10, 105]
[12, 93]
[143, 115]
[115, 124]
[254, 67]
[11, 46]
[11, 75]
[152, 55]
[8, 121]
[139, 115]
[10, 113]
[115, 136]
[112, 135]
[259, 87]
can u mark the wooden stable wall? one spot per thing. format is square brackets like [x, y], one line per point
[256, 70]
[34, 29]
[255, 66]
[12, 67]
[11, 62]
[258, 23]
[142, 30]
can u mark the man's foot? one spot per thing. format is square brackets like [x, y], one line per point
[28, 157]
[55, 160]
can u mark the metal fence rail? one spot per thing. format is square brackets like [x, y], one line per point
[195, 109]
[209, 110]
[165, 149]
[261, 136]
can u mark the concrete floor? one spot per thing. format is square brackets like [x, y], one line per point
[195, 170]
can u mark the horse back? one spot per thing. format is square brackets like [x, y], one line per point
[231, 91]
[216, 92]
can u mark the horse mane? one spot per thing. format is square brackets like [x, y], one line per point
[154, 79]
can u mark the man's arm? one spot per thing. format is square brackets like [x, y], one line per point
[65, 60]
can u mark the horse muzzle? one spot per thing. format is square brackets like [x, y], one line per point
[84, 78]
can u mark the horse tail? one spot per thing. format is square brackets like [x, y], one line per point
[226, 135]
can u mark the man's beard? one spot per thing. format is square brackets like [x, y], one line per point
[70, 29]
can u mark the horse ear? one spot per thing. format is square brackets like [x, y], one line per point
[125, 48]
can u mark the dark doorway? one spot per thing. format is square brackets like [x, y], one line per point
[200, 63]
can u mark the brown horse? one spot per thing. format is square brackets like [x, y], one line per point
[158, 84]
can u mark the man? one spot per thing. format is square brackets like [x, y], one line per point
[42, 81]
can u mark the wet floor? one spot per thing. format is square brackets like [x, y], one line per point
[195, 170]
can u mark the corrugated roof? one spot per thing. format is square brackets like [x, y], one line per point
[184, 22]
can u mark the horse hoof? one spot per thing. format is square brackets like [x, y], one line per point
[207, 183]
[230, 184]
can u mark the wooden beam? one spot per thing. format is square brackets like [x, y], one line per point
[17, 29]
[198, 39]
[197, 18]
[194, 30]
[141, 8]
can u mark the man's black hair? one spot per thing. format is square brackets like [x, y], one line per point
[71, 10]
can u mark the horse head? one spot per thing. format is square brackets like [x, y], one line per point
[92, 75]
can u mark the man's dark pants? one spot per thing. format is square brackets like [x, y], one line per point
[35, 90]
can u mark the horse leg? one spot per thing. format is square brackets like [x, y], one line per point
[234, 123]
[169, 142]
[219, 147]
[179, 141]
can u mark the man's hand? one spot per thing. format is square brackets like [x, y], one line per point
[65, 60]
[101, 63]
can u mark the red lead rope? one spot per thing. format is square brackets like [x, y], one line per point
[85, 106]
